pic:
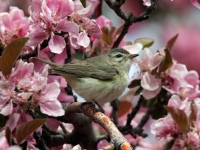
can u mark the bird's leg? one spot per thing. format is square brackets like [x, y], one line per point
[99, 107]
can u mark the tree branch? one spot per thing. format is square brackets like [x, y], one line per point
[129, 18]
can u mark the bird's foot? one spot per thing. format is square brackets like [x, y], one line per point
[99, 107]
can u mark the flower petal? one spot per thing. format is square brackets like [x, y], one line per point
[56, 44]
[83, 40]
[52, 108]
[67, 26]
[149, 82]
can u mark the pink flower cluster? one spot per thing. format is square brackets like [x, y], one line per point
[25, 90]
[5, 146]
[166, 128]
[110, 34]
[13, 25]
[176, 79]
[55, 20]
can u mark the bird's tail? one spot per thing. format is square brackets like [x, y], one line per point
[52, 65]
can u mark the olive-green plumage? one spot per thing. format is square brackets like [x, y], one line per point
[102, 78]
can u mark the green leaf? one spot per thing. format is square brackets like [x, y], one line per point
[146, 42]
[83, 3]
[138, 91]
[3, 121]
[171, 42]
[169, 145]
[10, 55]
[134, 83]
[167, 62]
[27, 128]
[39, 115]
[158, 113]
[151, 102]
[179, 117]
[80, 55]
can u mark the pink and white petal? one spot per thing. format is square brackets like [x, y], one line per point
[102, 21]
[174, 101]
[156, 60]
[4, 143]
[149, 82]
[36, 36]
[150, 94]
[77, 147]
[6, 20]
[14, 147]
[62, 8]
[64, 97]
[36, 4]
[60, 58]
[50, 92]
[67, 26]
[22, 70]
[84, 11]
[56, 44]
[7, 110]
[12, 122]
[193, 137]
[195, 3]
[147, 2]
[52, 108]
[16, 14]
[192, 77]
[78, 5]
[133, 48]
[73, 38]
[94, 30]
[83, 40]
[93, 7]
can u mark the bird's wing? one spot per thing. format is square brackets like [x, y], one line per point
[85, 69]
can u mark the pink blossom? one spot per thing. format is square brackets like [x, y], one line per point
[194, 137]
[5, 146]
[51, 18]
[26, 89]
[183, 82]
[195, 3]
[63, 96]
[147, 2]
[151, 85]
[102, 21]
[147, 63]
[48, 17]
[48, 101]
[154, 145]
[65, 147]
[13, 25]
[6, 97]
[164, 127]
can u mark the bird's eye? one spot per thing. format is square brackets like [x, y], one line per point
[119, 55]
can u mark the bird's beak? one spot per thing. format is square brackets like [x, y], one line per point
[133, 56]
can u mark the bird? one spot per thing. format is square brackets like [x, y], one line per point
[101, 79]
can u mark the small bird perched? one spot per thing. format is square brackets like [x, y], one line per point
[101, 79]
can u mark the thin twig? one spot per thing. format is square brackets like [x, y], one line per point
[69, 55]
[128, 18]
[115, 105]
[63, 127]
[29, 55]
[134, 111]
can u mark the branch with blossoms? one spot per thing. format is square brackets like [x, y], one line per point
[39, 110]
